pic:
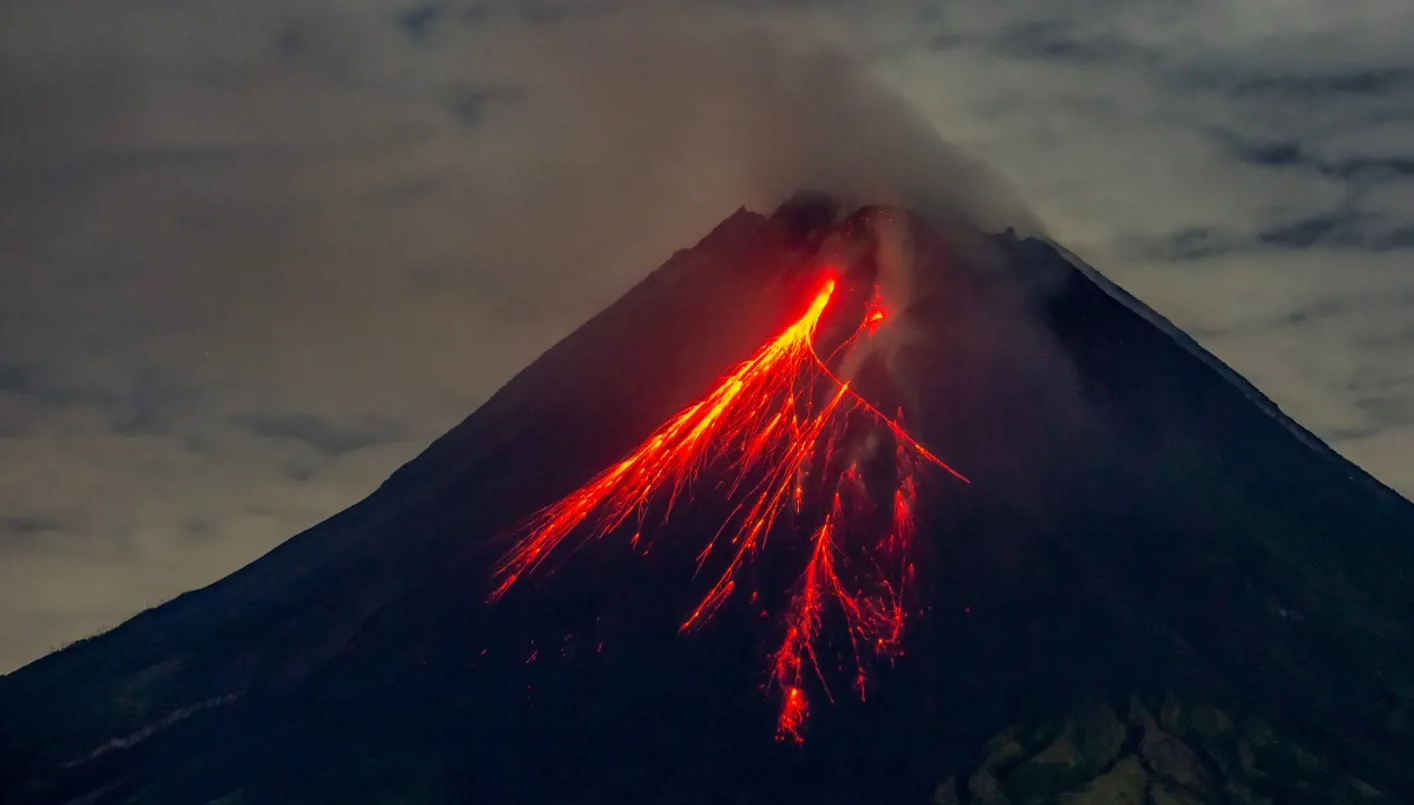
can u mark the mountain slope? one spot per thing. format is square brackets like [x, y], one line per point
[1142, 528]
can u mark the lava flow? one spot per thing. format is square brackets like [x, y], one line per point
[784, 433]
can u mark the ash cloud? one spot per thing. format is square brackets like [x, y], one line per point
[751, 113]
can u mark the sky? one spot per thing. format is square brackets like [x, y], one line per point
[255, 255]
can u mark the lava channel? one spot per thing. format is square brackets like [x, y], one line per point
[782, 430]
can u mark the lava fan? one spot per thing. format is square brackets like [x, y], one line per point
[797, 452]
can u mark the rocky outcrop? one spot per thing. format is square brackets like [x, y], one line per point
[946, 793]
[1123, 785]
[1162, 753]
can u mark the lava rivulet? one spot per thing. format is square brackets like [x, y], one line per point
[781, 433]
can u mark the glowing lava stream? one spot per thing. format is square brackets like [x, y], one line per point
[783, 443]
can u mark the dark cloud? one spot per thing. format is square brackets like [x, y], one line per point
[1189, 243]
[1308, 232]
[1340, 229]
[1389, 410]
[420, 22]
[470, 106]
[1370, 167]
[27, 531]
[100, 165]
[1273, 154]
[330, 438]
[293, 39]
[542, 13]
[1323, 87]
[22, 378]
[1337, 435]
[1294, 155]
[1323, 309]
[477, 13]
[199, 528]
[139, 401]
[1343, 229]
[1060, 41]
[1396, 339]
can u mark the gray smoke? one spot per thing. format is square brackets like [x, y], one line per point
[716, 109]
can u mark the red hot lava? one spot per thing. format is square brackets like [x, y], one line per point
[783, 430]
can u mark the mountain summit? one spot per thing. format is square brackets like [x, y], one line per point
[836, 506]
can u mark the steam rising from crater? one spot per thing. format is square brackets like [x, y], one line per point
[722, 114]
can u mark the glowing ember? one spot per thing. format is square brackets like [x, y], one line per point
[785, 419]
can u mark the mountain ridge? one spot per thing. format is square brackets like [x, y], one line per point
[1118, 491]
[1202, 353]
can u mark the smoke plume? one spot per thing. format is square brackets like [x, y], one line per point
[712, 112]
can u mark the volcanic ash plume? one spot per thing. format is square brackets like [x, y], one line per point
[651, 127]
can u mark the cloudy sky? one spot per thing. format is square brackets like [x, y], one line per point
[254, 255]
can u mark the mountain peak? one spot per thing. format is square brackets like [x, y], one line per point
[1140, 535]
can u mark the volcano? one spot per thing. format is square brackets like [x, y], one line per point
[836, 506]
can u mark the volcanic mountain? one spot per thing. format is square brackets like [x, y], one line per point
[836, 506]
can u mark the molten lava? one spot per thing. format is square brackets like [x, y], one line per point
[784, 432]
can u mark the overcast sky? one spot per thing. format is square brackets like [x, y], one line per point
[255, 254]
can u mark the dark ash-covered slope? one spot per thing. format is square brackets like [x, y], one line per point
[1144, 541]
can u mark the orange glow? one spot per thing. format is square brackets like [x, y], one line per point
[774, 428]
[793, 712]
[874, 315]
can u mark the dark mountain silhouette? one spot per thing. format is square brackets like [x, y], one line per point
[1157, 588]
